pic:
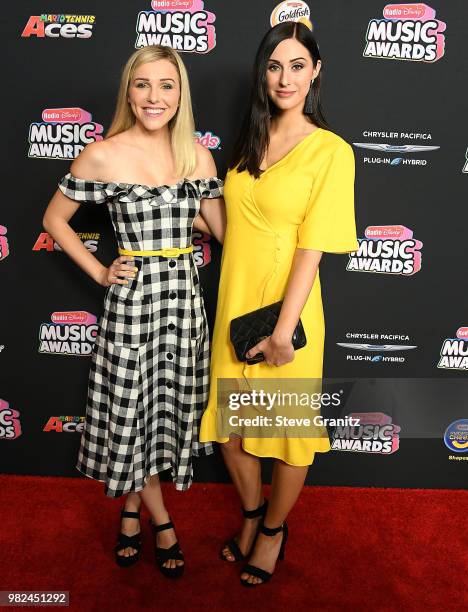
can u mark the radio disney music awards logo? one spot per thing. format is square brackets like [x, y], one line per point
[45, 242]
[381, 349]
[375, 434]
[69, 333]
[10, 426]
[208, 140]
[291, 11]
[399, 151]
[65, 424]
[201, 248]
[387, 249]
[456, 438]
[454, 351]
[408, 32]
[4, 246]
[62, 133]
[59, 26]
[183, 25]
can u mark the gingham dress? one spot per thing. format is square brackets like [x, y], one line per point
[148, 383]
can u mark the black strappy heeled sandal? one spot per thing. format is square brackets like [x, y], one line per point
[233, 545]
[258, 572]
[125, 541]
[164, 554]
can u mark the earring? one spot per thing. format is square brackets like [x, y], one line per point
[308, 104]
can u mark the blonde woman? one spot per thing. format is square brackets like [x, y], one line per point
[148, 382]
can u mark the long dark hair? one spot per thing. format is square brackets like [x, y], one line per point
[253, 138]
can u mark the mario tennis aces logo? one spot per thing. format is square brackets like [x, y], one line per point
[407, 32]
[180, 24]
[65, 424]
[70, 333]
[59, 26]
[45, 242]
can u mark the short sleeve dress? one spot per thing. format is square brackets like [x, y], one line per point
[305, 200]
[148, 382]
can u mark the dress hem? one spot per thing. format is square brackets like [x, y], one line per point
[224, 440]
[114, 494]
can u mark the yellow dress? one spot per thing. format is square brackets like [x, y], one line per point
[304, 200]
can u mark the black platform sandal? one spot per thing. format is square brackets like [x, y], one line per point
[164, 554]
[125, 541]
[233, 545]
[258, 572]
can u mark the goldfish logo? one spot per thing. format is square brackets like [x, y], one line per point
[291, 11]
[456, 436]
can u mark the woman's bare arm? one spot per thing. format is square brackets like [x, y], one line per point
[200, 224]
[61, 209]
[212, 210]
[278, 348]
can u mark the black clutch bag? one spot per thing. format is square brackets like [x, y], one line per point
[247, 330]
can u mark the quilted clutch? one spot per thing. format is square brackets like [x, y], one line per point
[247, 330]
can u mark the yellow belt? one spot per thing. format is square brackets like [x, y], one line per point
[162, 252]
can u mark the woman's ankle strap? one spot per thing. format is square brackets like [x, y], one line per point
[162, 527]
[126, 514]
[270, 532]
[260, 511]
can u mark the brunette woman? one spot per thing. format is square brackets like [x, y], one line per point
[289, 198]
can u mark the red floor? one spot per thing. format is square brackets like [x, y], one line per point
[349, 549]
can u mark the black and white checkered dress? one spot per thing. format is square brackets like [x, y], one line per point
[148, 382]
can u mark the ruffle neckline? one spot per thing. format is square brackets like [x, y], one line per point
[132, 192]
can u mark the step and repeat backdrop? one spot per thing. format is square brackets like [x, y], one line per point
[394, 78]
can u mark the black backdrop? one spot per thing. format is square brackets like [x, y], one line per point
[384, 105]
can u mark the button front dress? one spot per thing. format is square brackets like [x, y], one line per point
[305, 200]
[148, 383]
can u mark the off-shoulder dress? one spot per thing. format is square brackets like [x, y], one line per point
[148, 382]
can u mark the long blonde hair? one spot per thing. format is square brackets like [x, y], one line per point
[181, 126]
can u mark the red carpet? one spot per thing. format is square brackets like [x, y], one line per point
[349, 549]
